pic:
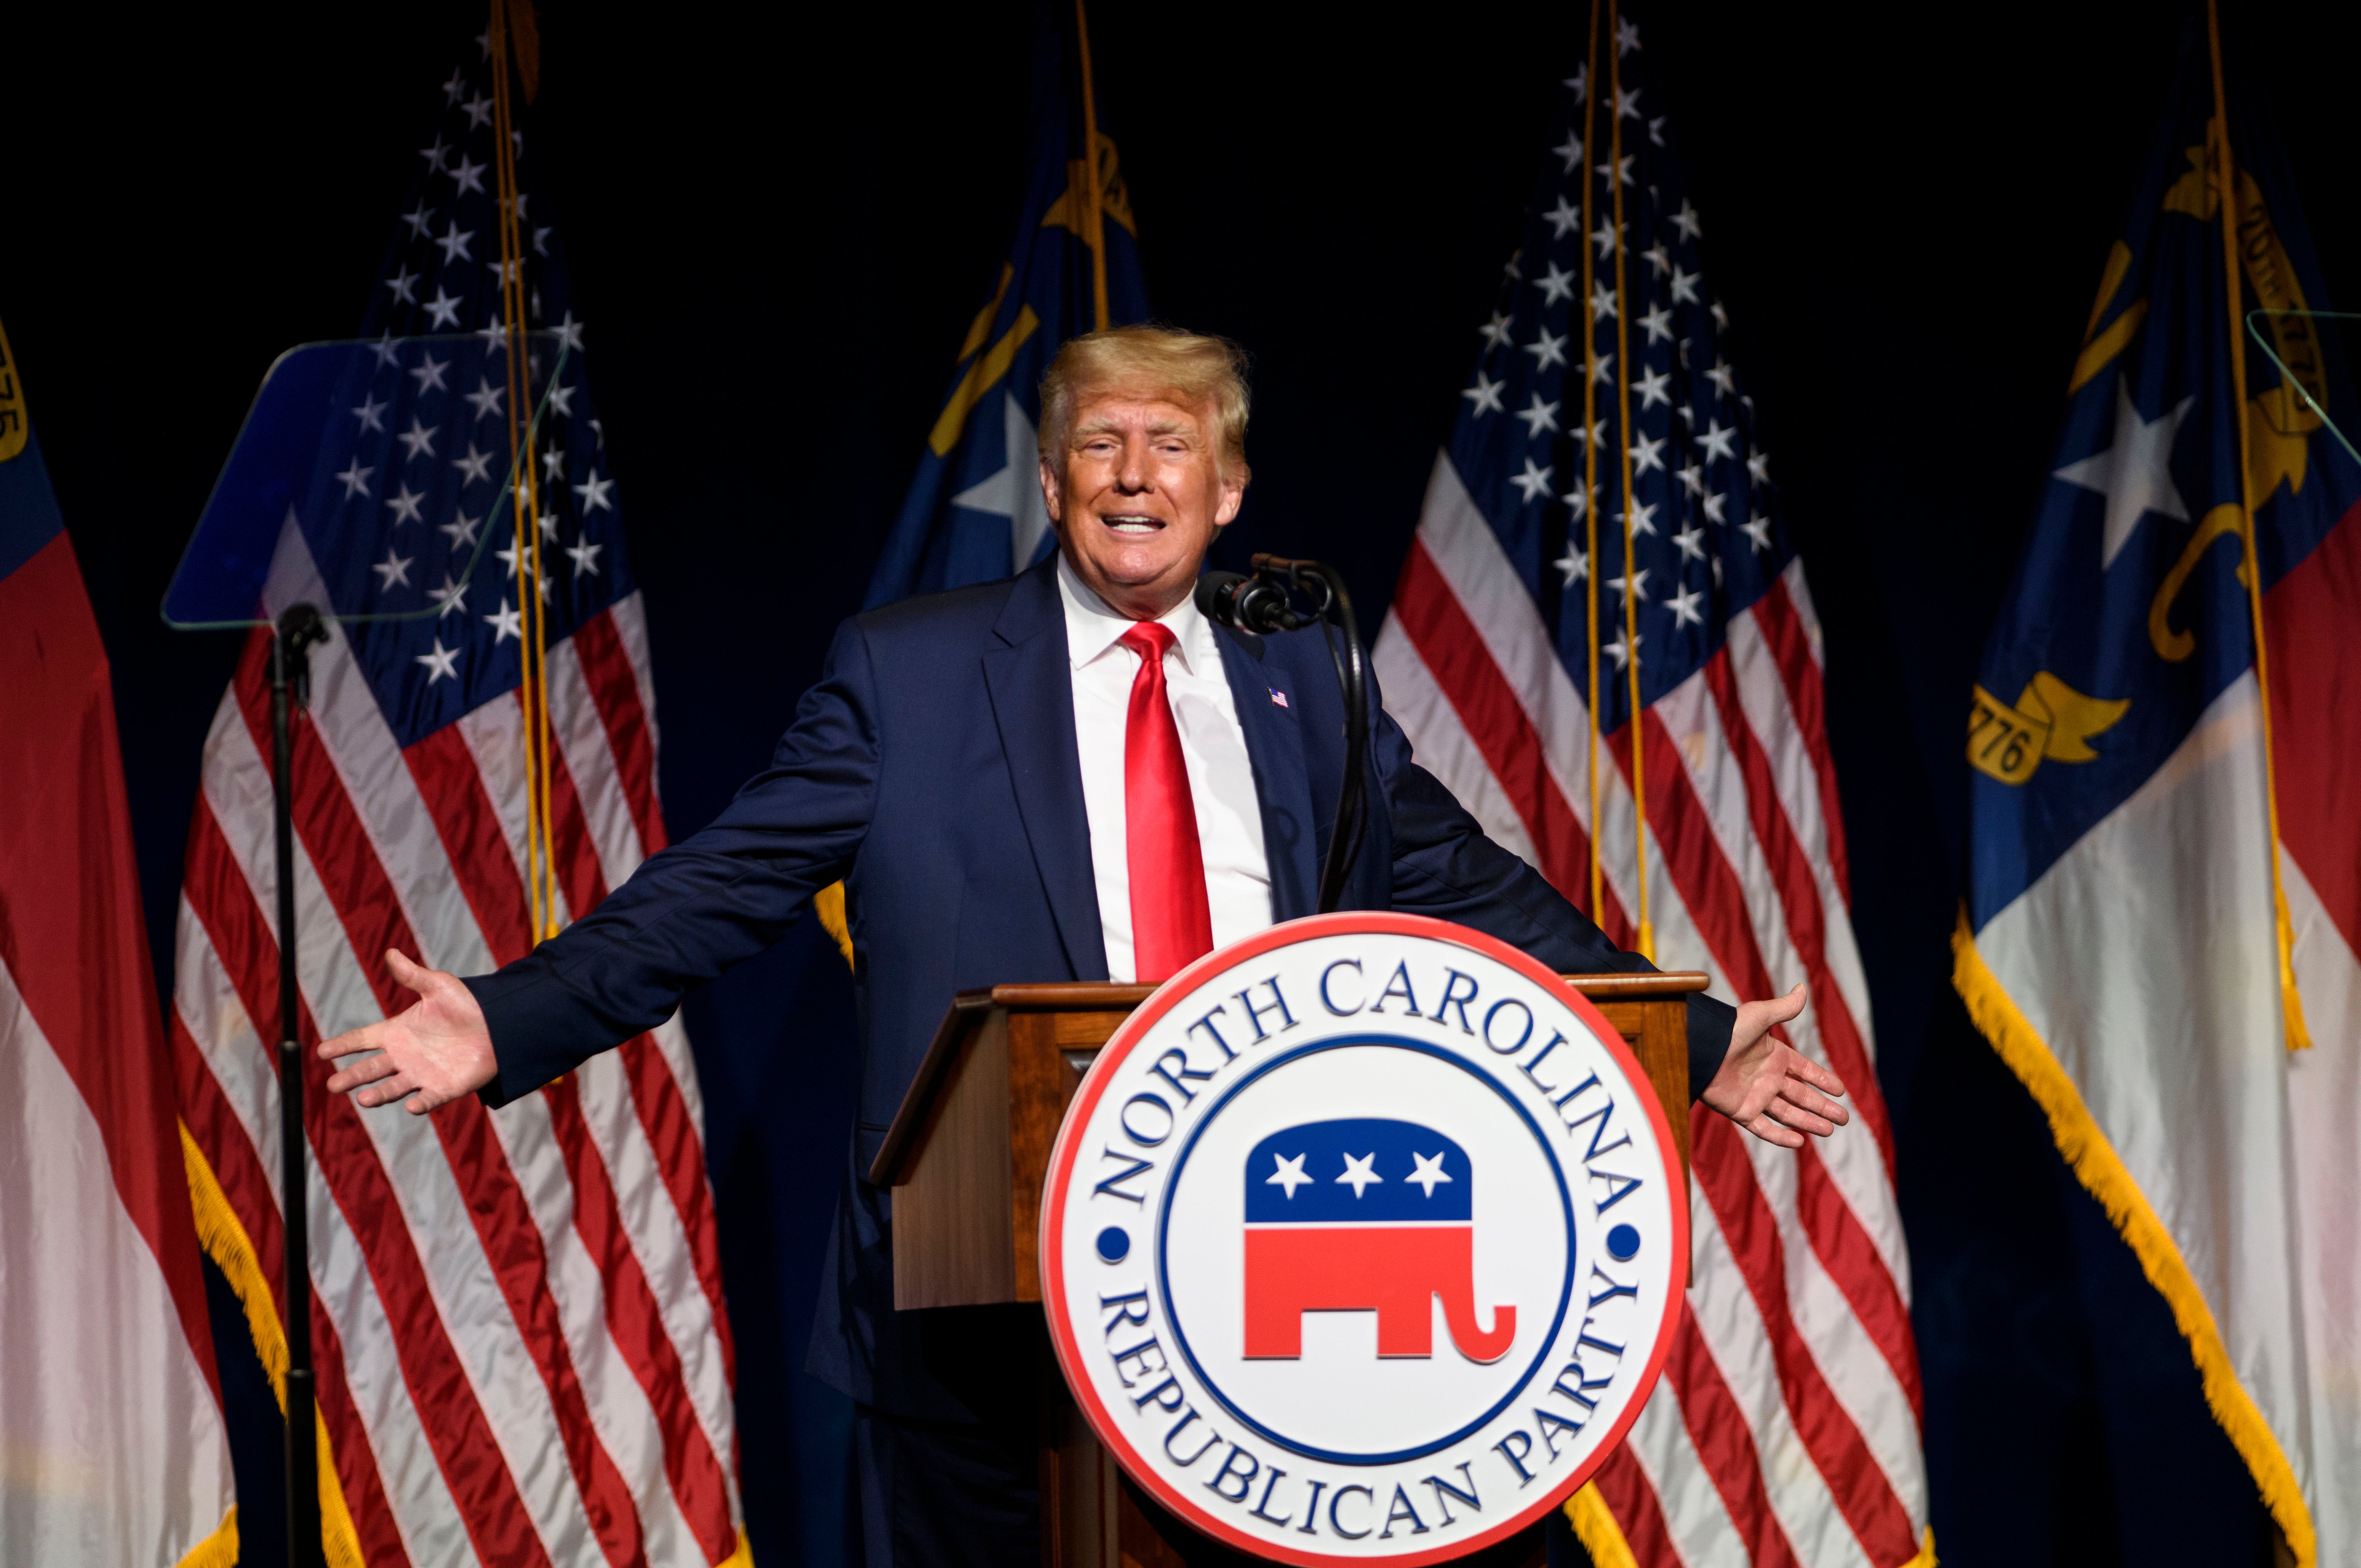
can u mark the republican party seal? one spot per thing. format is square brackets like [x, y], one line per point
[1363, 1240]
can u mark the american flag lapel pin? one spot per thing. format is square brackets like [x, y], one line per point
[1278, 697]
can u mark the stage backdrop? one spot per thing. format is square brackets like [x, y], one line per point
[761, 216]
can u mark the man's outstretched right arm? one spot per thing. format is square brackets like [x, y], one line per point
[718, 898]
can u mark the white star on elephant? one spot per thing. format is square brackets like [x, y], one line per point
[1427, 1172]
[1358, 1172]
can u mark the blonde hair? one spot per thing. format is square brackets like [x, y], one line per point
[1190, 368]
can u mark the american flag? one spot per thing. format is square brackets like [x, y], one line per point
[1786, 1427]
[517, 1319]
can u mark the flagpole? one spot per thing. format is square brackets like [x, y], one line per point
[1623, 438]
[2225, 170]
[496, 40]
[1097, 220]
[1590, 460]
[524, 502]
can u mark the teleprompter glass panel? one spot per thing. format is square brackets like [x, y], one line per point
[388, 460]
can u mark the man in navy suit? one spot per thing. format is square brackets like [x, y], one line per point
[1070, 775]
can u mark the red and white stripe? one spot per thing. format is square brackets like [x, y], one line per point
[1786, 1427]
[2315, 698]
[518, 1316]
[113, 1447]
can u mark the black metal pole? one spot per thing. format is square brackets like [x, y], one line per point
[1352, 798]
[1241, 603]
[298, 627]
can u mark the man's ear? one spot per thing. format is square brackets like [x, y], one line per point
[1234, 495]
[1052, 497]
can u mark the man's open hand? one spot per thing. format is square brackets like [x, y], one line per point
[434, 1050]
[1770, 1088]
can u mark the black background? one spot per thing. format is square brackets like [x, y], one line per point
[779, 225]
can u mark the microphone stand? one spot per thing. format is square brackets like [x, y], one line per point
[1333, 608]
[290, 682]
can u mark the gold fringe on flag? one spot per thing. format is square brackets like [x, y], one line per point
[2101, 1169]
[1595, 1527]
[829, 905]
[218, 1550]
[223, 1237]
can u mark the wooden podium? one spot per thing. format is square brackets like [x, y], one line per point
[966, 1157]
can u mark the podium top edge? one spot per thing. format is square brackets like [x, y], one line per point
[967, 1007]
[1075, 996]
[1639, 986]
[1059, 996]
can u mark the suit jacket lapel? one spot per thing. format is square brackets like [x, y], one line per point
[1032, 703]
[1274, 737]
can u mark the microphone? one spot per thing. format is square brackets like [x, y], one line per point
[1261, 604]
[1253, 604]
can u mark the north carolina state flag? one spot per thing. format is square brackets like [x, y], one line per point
[1362, 1214]
[110, 1409]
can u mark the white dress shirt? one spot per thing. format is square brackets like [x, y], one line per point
[1220, 778]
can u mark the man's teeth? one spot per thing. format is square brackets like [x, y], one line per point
[1133, 524]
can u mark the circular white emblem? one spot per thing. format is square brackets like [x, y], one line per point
[1363, 1240]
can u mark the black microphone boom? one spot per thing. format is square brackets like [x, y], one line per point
[1264, 603]
[1247, 604]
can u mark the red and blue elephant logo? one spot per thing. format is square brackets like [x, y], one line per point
[1364, 1214]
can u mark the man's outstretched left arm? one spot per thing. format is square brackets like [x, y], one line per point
[1444, 865]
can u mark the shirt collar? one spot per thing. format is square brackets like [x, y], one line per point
[1092, 628]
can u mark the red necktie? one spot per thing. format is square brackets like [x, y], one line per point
[1171, 924]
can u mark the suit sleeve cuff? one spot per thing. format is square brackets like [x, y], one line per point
[1710, 1023]
[526, 1052]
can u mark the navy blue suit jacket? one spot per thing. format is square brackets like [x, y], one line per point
[934, 769]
